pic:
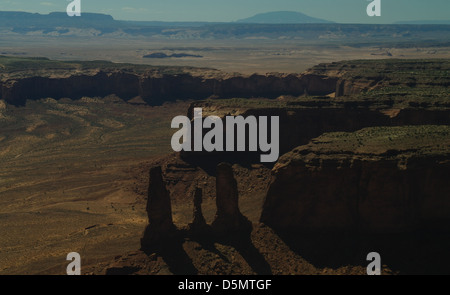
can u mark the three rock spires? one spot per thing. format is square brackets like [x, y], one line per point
[228, 216]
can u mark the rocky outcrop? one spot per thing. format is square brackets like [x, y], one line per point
[161, 229]
[381, 179]
[228, 217]
[160, 225]
[157, 85]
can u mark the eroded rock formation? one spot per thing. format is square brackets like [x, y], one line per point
[160, 225]
[382, 179]
[228, 217]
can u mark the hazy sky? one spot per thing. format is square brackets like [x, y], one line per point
[347, 11]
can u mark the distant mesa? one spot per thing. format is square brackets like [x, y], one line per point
[287, 25]
[54, 19]
[156, 55]
[283, 17]
[175, 55]
[385, 53]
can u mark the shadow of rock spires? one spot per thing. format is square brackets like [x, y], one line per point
[176, 258]
[160, 226]
[228, 220]
[198, 225]
[228, 217]
[242, 242]
[161, 235]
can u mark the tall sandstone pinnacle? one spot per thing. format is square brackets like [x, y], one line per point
[228, 217]
[160, 224]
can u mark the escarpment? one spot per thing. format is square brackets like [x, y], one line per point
[381, 179]
[354, 77]
[367, 94]
[17, 91]
[303, 119]
[156, 89]
[158, 85]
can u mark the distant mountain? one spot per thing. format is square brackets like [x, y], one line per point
[283, 17]
[274, 25]
[20, 20]
[424, 22]
[168, 23]
[23, 19]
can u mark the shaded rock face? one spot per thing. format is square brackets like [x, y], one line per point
[124, 85]
[159, 211]
[156, 89]
[342, 79]
[359, 76]
[311, 119]
[382, 184]
[228, 216]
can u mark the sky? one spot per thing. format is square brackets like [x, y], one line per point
[343, 11]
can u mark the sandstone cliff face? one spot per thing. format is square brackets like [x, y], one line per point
[156, 89]
[156, 86]
[375, 180]
[304, 119]
[17, 91]
[354, 77]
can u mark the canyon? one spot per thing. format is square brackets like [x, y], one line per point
[363, 169]
[364, 148]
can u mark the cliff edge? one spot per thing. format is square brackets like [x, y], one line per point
[380, 179]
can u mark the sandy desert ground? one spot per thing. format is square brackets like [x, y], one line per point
[242, 56]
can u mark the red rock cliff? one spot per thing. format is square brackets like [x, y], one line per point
[382, 179]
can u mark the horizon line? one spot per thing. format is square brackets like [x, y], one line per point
[402, 22]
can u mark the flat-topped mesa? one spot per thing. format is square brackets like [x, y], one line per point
[376, 180]
[198, 225]
[160, 224]
[228, 217]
